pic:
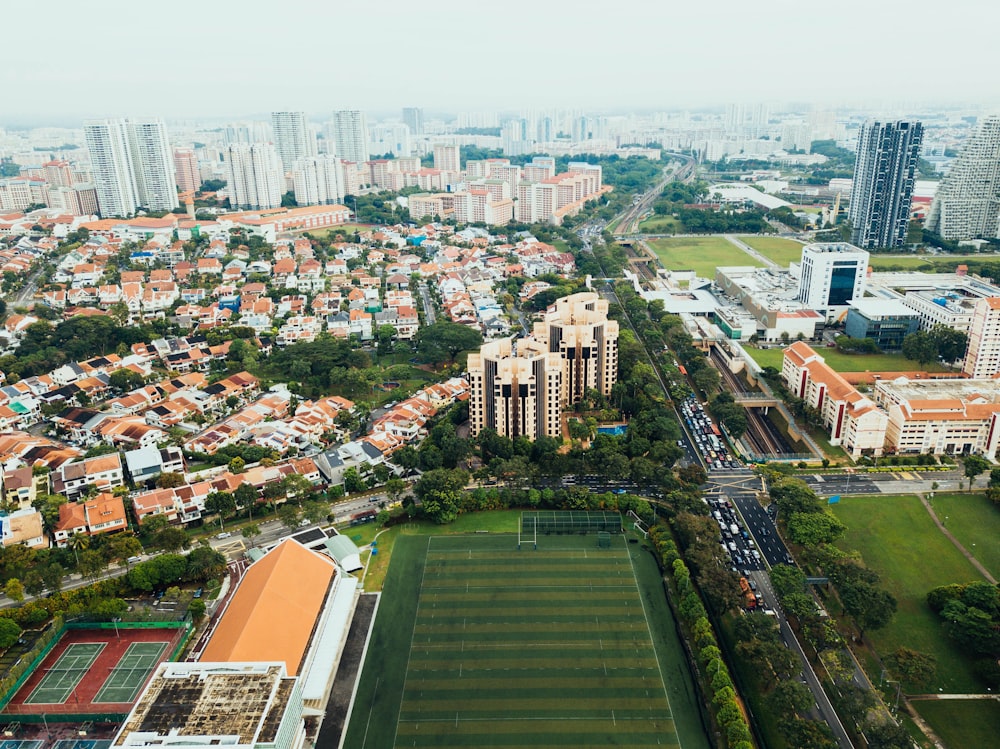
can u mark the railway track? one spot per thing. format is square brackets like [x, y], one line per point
[761, 434]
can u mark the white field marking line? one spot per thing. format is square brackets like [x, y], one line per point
[371, 709]
[652, 647]
[357, 682]
[502, 645]
[413, 634]
[585, 586]
[499, 719]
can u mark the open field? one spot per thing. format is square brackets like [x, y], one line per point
[478, 644]
[782, 251]
[975, 522]
[773, 357]
[898, 539]
[349, 228]
[660, 225]
[938, 263]
[700, 254]
[963, 724]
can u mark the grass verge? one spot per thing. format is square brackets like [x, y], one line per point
[963, 724]
[780, 250]
[700, 254]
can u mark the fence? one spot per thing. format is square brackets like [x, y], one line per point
[23, 670]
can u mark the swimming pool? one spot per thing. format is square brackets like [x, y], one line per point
[617, 430]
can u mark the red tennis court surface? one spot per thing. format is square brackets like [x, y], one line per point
[81, 698]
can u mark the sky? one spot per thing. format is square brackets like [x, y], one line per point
[66, 59]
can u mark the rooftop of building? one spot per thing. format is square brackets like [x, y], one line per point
[274, 611]
[903, 388]
[844, 248]
[871, 307]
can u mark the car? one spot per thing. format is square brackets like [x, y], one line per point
[303, 523]
[224, 534]
[197, 593]
[159, 594]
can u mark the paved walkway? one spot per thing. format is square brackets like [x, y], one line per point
[965, 552]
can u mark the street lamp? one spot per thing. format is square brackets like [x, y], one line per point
[115, 621]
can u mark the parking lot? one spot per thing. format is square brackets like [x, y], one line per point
[706, 435]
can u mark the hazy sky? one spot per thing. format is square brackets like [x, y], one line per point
[63, 59]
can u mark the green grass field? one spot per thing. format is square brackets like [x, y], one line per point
[782, 251]
[661, 225]
[478, 644]
[929, 263]
[349, 228]
[773, 357]
[700, 254]
[975, 522]
[898, 539]
[963, 724]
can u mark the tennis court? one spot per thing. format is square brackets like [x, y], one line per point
[128, 677]
[22, 744]
[81, 744]
[63, 676]
[538, 647]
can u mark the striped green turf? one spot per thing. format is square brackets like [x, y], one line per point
[531, 648]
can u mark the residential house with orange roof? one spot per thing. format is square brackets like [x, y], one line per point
[105, 513]
[73, 479]
[23, 527]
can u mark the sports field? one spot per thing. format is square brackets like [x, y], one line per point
[94, 670]
[700, 254]
[774, 356]
[501, 647]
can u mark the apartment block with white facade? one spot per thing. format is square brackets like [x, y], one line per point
[983, 356]
[255, 174]
[293, 138]
[318, 180]
[348, 132]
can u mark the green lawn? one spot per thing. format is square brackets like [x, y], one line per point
[929, 263]
[975, 522]
[782, 251]
[700, 254]
[898, 539]
[962, 724]
[773, 357]
[569, 619]
[661, 225]
[349, 228]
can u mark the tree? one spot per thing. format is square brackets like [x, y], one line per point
[288, 514]
[125, 380]
[791, 697]
[246, 498]
[9, 633]
[237, 465]
[296, 487]
[440, 491]
[197, 609]
[204, 563]
[887, 734]
[52, 577]
[170, 480]
[920, 346]
[250, 532]
[222, 504]
[172, 539]
[975, 465]
[314, 511]
[78, 542]
[951, 343]
[353, 481]
[394, 489]
[92, 564]
[443, 341]
[14, 590]
[912, 666]
[871, 606]
[814, 528]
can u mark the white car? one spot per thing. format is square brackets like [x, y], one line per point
[224, 534]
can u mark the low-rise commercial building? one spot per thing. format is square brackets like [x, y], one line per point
[885, 321]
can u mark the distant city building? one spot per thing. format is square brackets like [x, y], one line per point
[967, 202]
[983, 356]
[884, 173]
[318, 180]
[293, 139]
[831, 275]
[186, 169]
[245, 132]
[413, 118]
[349, 132]
[517, 389]
[394, 139]
[447, 158]
[255, 176]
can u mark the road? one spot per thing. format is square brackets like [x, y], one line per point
[425, 296]
[27, 292]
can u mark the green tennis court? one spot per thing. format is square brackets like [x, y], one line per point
[126, 679]
[66, 673]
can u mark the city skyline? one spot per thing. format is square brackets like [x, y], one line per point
[791, 51]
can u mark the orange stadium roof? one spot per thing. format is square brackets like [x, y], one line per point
[273, 613]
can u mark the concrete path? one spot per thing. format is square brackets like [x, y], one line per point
[965, 552]
[768, 262]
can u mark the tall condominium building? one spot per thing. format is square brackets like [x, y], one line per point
[318, 180]
[186, 169]
[447, 158]
[132, 165]
[983, 356]
[967, 202]
[884, 173]
[577, 328]
[393, 138]
[293, 139]
[349, 132]
[245, 132]
[831, 275]
[517, 389]
[255, 175]
[413, 118]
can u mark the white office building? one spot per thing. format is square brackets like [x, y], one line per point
[831, 275]
[318, 180]
[348, 130]
[255, 175]
[884, 173]
[132, 165]
[293, 138]
[967, 202]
